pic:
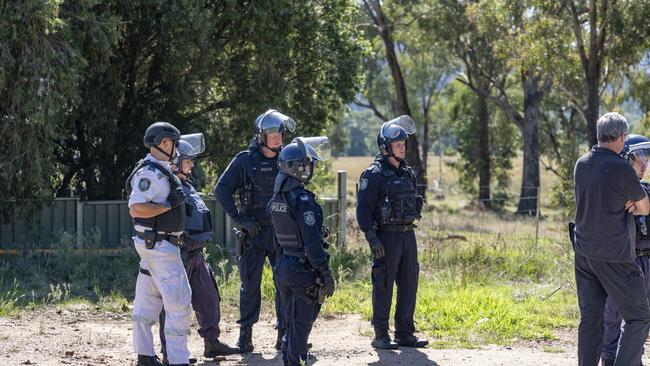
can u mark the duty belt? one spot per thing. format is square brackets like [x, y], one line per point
[161, 235]
[293, 253]
[396, 228]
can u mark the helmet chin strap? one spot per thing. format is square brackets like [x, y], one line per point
[261, 140]
[170, 157]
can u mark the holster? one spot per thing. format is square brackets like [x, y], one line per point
[240, 241]
[320, 290]
[311, 294]
[572, 229]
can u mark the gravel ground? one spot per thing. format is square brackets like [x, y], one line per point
[87, 336]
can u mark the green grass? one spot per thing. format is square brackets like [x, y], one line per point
[483, 278]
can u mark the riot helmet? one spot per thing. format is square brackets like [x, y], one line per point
[158, 131]
[637, 153]
[189, 147]
[269, 122]
[298, 158]
[396, 129]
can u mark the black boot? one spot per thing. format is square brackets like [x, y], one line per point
[214, 348]
[382, 340]
[278, 341]
[245, 342]
[148, 361]
[165, 361]
[411, 341]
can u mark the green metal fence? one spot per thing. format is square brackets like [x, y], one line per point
[72, 223]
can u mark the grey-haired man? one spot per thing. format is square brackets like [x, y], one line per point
[608, 194]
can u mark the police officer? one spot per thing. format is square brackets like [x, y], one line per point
[387, 206]
[198, 232]
[252, 175]
[302, 272]
[157, 207]
[637, 153]
[608, 193]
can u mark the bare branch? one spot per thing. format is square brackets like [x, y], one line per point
[549, 167]
[577, 30]
[371, 105]
[602, 29]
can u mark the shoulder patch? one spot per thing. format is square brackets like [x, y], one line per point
[363, 184]
[303, 197]
[144, 184]
[310, 218]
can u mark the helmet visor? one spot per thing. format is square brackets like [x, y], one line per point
[405, 122]
[195, 144]
[317, 148]
[638, 157]
[274, 122]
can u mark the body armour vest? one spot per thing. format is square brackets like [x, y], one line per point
[285, 226]
[198, 224]
[401, 204]
[259, 181]
[643, 224]
[170, 221]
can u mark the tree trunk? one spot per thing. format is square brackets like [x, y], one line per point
[593, 103]
[401, 105]
[530, 132]
[482, 124]
[426, 144]
[530, 179]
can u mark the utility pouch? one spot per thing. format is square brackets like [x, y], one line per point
[150, 238]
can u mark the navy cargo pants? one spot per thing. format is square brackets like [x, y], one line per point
[398, 266]
[613, 319]
[205, 297]
[625, 285]
[251, 264]
[296, 285]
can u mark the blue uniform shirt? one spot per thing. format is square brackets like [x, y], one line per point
[373, 191]
[248, 167]
[298, 220]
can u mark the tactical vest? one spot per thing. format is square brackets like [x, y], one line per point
[286, 229]
[638, 222]
[401, 204]
[198, 225]
[258, 187]
[170, 221]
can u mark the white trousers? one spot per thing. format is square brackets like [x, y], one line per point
[168, 286]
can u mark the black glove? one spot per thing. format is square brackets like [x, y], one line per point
[376, 247]
[250, 225]
[175, 198]
[328, 288]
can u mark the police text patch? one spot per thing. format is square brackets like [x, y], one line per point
[278, 207]
[310, 219]
[144, 184]
[363, 184]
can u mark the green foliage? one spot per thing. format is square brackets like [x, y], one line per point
[82, 81]
[503, 144]
[561, 134]
[38, 74]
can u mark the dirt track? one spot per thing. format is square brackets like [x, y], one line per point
[84, 336]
